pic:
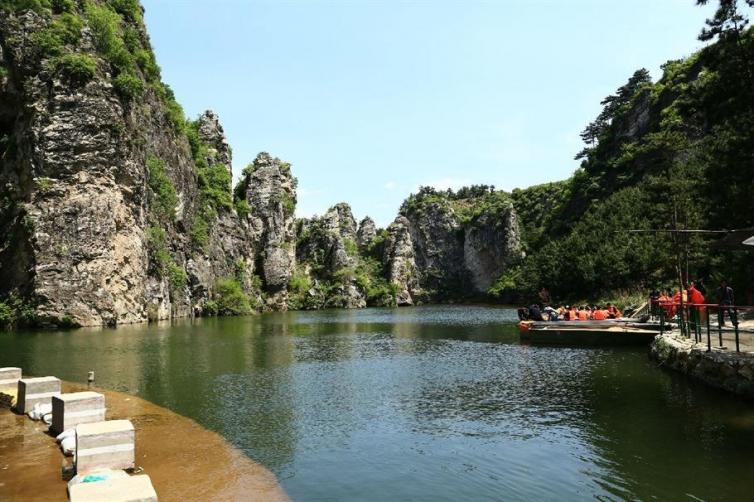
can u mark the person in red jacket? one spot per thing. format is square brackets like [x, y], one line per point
[696, 300]
[695, 296]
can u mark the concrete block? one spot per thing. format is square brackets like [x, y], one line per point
[104, 445]
[9, 378]
[36, 390]
[70, 410]
[131, 489]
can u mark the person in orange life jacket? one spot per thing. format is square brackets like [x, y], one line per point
[583, 314]
[599, 314]
[613, 312]
[574, 313]
[677, 298]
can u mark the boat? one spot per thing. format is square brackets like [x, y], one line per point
[590, 333]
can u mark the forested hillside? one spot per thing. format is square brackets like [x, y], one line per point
[673, 154]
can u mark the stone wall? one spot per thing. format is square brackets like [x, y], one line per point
[730, 371]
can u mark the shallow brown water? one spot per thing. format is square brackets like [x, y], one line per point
[185, 461]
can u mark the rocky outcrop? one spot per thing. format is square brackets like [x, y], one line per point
[732, 371]
[366, 233]
[327, 251]
[492, 242]
[460, 244]
[212, 134]
[270, 189]
[437, 236]
[111, 211]
[399, 261]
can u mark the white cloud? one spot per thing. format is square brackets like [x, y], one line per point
[391, 185]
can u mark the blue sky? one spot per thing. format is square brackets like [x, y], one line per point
[370, 99]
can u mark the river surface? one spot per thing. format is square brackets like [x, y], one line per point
[426, 403]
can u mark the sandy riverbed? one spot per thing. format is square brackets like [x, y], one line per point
[185, 461]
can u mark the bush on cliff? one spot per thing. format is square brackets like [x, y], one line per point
[14, 312]
[51, 41]
[60, 6]
[128, 86]
[78, 68]
[228, 298]
[298, 291]
[164, 197]
[39, 6]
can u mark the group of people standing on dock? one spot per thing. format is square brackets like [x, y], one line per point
[693, 297]
[537, 312]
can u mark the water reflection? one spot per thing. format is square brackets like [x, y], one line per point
[431, 403]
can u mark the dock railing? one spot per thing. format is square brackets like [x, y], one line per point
[694, 319]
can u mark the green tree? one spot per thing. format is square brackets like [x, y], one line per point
[728, 21]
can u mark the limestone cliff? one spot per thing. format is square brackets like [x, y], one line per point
[115, 208]
[270, 190]
[399, 260]
[451, 245]
[329, 257]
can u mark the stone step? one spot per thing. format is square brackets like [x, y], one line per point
[36, 390]
[131, 489]
[104, 445]
[9, 378]
[70, 410]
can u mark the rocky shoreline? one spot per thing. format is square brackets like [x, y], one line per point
[731, 371]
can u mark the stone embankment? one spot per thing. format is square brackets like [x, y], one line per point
[730, 371]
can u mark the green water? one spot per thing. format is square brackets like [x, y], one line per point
[430, 403]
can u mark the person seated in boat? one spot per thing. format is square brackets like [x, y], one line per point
[535, 313]
[613, 312]
[599, 314]
[523, 314]
[561, 313]
[573, 313]
[583, 314]
[550, 314]
[566, 316]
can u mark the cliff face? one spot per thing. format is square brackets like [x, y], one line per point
[73, 186]
[399, 260]
[448, 245]
[329, 258]
[115, 208]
